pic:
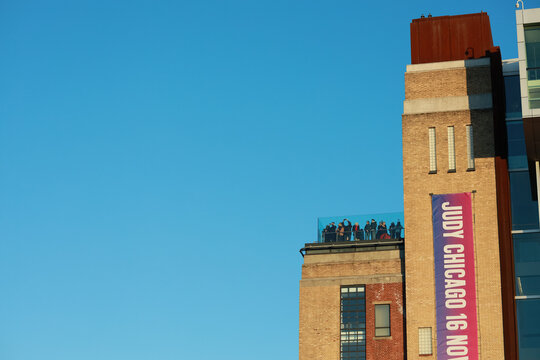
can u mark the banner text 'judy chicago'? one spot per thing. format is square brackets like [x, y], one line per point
[455, 290]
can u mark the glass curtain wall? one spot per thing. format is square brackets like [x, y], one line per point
[525, 217]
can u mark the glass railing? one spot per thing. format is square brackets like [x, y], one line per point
[382, 226]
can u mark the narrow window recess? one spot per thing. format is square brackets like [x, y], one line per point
[424, 341]
[432, 151]
[451, 150]
[470, 148]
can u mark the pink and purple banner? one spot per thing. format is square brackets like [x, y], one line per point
[455, 289]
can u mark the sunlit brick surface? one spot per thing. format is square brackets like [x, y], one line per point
[418, 184]
[322, 278]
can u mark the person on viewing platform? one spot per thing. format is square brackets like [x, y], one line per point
[392, 229]
[324, 234]
[373, 229]
[347, 229]
[379, 231]
[340, 232]
[358, 232]
[332, 232]
[382, 232]
[398, 229]
[385, 231]
[367, 231]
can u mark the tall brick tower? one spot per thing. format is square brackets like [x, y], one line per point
[453, 111]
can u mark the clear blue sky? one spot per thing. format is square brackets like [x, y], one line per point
[162, 162]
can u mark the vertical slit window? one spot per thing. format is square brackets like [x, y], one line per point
[451, 150]
[432, 151]
[424, 341]
[470, 148]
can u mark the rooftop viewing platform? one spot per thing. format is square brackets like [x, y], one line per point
[368, 232]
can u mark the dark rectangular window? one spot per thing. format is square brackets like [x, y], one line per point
[517, 154]
[524, 208]
[513, 96]
[353, 322]
[382, 320]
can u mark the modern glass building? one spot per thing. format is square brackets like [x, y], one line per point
[525, 219]
[522, 82]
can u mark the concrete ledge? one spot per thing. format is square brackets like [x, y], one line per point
[353, 280]
[445, 65]
[450, 103]
[527, 16]
[336, 258]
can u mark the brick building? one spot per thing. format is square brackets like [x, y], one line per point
[342, 287]
[471, 124]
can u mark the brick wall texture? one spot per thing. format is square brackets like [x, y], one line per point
[418, 184]
[322, 278]
[452, 82]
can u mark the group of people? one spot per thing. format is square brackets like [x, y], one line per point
[371, 231]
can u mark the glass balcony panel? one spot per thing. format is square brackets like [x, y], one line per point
[527, 263]
[528, 285]
[374, 227]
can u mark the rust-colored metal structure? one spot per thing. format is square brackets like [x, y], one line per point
[446, 38]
